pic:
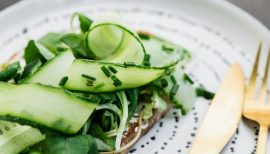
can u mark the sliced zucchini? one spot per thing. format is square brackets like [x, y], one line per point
[53, 70]
[31, 68]
[111, 42]
[99, 78]
[14, 138]
[159, 48]
[45, 105]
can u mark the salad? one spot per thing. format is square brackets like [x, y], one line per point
[91, 91]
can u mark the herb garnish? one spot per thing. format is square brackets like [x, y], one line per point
[63, 81]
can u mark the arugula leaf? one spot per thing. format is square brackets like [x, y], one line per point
[97, 132]
[36, 51]
[81, 144]
[78, 45]
[132, 95]
[124, 104]
[102, 146]
[106, 117]
[10, 71]
[87, 125]
[109, 106]
[85, 22]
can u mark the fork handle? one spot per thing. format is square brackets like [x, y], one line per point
[262, 140]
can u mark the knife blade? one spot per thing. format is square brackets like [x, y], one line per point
[223, 115]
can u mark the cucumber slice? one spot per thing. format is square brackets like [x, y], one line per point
[44, 105]
[14, 138]
[159, 48]
[185, 97]
[130, 76]
[111, 42]
[53, 70]
[47, 54]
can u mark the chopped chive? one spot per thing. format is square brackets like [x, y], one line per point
[89, 82]
[147, 60]
[174, 89]
[88, 77]
[164, 83]
[147, 63]
[187, 78]
[63, 81]
[105, 71]
[167, 72]
[112, 69]
[178, 106]
[144, 36]
[171, 97]
[117, 83]
[147, 57]
[61, 49]
[201, 92]
[113, 77]
[129, 64]
[167, 48]
[184, 112]
[173, 79]
[99, 85]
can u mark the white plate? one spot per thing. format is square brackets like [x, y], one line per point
[217, 33]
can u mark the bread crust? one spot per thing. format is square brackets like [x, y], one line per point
[131, 131]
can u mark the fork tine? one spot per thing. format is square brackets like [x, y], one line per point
[265, 79]
[250, 94]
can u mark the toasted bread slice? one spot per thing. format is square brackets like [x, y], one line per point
[131, 132]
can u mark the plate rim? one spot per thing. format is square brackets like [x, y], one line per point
[19, 6]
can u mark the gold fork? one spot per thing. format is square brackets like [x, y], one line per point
[257, 107]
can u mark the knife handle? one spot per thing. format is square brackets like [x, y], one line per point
[262, 140]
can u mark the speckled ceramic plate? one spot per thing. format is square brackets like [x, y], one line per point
[216, 32]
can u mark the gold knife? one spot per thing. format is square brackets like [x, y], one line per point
[223, 115]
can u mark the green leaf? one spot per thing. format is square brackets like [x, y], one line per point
[36, 51]
[124, 104]
[52, 42]
[31, 52]
[132, 95]
[97, 132]
[78, 45]
[148, 110]
[85, 22]
[102, 146]
[81, 144]
[159, 103]
[9, 72]
[72, 40]
[109, 106]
